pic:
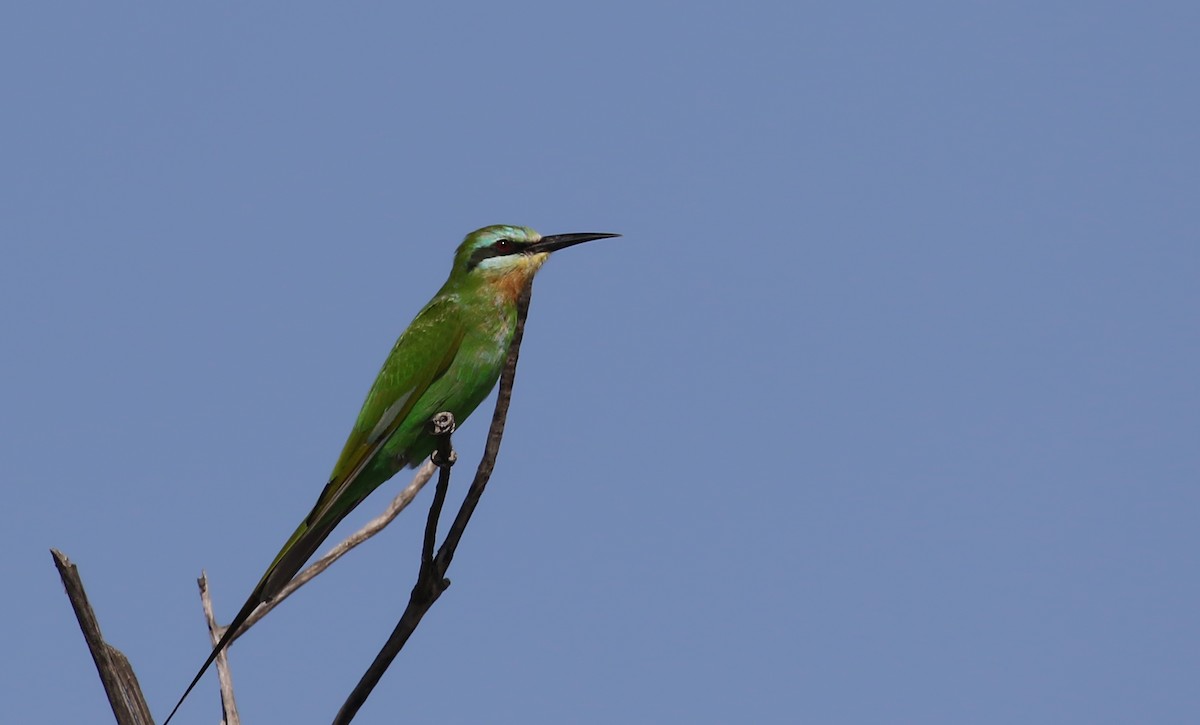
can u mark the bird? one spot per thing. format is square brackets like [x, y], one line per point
[448, 359]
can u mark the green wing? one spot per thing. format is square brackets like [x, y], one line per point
[418, 359]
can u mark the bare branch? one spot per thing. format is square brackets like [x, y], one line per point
[224, 676]
[120, 683]
[431, 580]
[372, 527]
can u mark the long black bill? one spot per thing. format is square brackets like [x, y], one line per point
[556, 242]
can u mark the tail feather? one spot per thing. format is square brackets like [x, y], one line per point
[295, 553]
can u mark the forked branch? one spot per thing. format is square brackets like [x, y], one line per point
[431, 579]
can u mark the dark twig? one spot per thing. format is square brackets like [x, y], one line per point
[120, 684]
[443, 457]
[431, 580]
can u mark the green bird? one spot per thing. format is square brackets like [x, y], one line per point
[448, 359]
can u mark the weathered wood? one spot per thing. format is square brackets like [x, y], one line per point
[120, 683]
[224, 676]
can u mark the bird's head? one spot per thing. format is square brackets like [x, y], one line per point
[505, 258]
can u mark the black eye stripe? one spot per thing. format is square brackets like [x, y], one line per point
[498, 248]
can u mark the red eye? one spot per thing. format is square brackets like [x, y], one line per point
[504, 246]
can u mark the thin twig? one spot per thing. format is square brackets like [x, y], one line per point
[372, 527]
[120, 683]
[224, 676]
[431, 581]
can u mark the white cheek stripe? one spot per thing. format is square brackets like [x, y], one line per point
[512, 262]
[498, 264]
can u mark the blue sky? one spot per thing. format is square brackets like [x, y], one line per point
[883, 410]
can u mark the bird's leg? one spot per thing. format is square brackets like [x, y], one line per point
[440, 427]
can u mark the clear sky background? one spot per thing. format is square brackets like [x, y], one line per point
[884, 409]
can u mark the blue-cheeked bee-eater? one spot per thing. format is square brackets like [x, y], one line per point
[448, 359]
